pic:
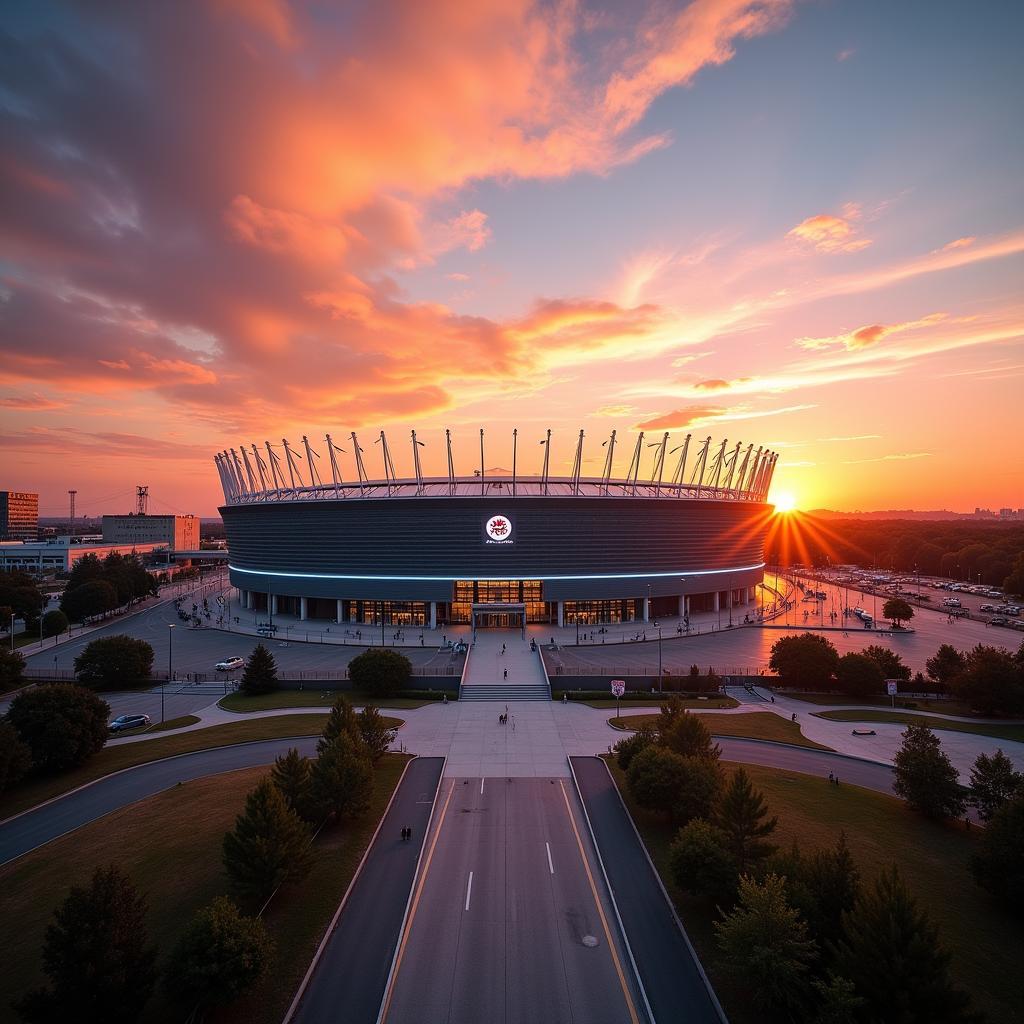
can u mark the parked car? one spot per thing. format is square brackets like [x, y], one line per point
[230, 664]
[952, 602]
[123, 722]
[998, 620]
[863, 732]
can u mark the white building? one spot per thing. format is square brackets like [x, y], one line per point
[59, 554]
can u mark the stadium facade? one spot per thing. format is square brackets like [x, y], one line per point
[495, 548]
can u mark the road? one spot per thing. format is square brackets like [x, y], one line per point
[48, 821]
[499, 930]
[670, 970]
[353, 966]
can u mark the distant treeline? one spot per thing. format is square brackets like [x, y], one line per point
[988, 553]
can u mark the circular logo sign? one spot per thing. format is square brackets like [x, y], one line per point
[499, 528]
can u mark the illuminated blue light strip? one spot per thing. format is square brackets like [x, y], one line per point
[682, 574]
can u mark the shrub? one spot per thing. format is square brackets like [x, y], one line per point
[114, 663]
[626, 749]
[380, 672]
[62, 725]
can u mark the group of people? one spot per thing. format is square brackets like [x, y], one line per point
[406, 832]
[503, 719]
[833, 779]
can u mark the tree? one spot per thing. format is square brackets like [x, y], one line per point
[764, 944]
[838, 1002]
[15, 757]
[804, 662]
[87, 569]
[61, 724]
[626, 749]
[655, 779]
[342, 718]
[688, 736]
[992, 681]
[897, 611]
[888, 661]
[894, 957]
[260, 672]
[701, 863]
[96, 956]
[20, 593]
[55, 622]
[998, 865]
[293, 777]
[114, 663]
[945, 665]
[269, 846]
[12, 669]
[857, 675]
[219, 957]
[380, 672]
[81, 603]
[925, 776]
[1014, 583]
[342, 782]
[742, 815]
[377, 735]
[993, 782]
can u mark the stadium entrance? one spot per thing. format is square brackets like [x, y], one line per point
[499, 616]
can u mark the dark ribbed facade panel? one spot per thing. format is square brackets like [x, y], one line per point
[649, 540]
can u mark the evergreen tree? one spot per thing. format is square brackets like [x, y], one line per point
[946, 664]
[293, 777]
[341, 719]
[626, 749]
[672, 709]
[688, 736]
[376, 734]
[701, 863]
[15, 757]
[342, 779]
[998, 865]
[993, 782]
[219, 957]
[260, 672]
[742, 815]
[96, 956]
[269, 846]
[894, 957]
[764, 944]
[838, 1002]
[925, 776]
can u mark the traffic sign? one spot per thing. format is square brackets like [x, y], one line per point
[892, 687]
[618, 687]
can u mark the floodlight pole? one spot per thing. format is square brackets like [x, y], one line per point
[170, 667]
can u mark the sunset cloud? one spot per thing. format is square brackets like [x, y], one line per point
[830, 233]
[865, 337]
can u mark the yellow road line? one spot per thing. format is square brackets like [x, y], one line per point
[597, 901]
[415, 904]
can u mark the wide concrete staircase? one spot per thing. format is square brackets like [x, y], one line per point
[485, 670]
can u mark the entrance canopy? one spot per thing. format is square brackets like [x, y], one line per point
[500, 615]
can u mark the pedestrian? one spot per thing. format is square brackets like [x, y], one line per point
[408, 831]
[513, 723]
[403, 833]
[502, 648]
[506, 674]
[831, 778]
[837, 780]
[501, 719]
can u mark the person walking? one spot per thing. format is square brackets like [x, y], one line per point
[513, 723]
[506, 674]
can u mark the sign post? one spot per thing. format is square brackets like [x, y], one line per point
[892, 688]
[618, 689]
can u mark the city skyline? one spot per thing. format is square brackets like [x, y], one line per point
[796, 225]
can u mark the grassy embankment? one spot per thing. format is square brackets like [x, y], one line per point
[757, 725]
[941, 707]
[933, 859]
[34, 789]
[999, 732]
[179, 870]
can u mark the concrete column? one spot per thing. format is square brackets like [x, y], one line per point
[433, 615]
[647, 609]
[273, 604]
[682, 606]
[339, 615]
[718, 601]
[303, 608]
[687, 605]
[560, 612]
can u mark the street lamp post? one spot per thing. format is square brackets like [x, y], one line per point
[659, 660]
[170, 667]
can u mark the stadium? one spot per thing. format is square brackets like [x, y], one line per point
[495, 548]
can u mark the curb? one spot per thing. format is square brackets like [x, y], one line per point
[301, 991]
[611, 894]
[661, 885]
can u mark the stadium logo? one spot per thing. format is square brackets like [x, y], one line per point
[498, 530]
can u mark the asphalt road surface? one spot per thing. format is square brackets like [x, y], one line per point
[349, 979]
[509, 924]
[668, 966]
[42, 824]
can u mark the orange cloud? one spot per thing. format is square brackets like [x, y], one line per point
[865, 337]
[827, 232]
[680, 418]
[959, 243]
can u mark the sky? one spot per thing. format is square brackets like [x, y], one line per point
[792, 224]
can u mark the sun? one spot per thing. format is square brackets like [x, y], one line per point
[784, 502]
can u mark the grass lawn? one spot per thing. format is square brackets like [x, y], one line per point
[654, 702]
[313, 699]
[32, 791]
[942, 707]
[758, 725]
[179, 870]
[933, 859]
[999, 732]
